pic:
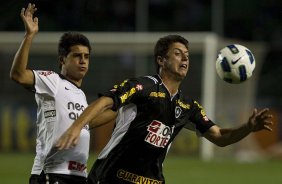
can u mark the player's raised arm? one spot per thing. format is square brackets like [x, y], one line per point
[19, 71]
[259, 120]
[96, 108]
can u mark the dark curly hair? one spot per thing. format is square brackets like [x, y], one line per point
[70, 39]
[163, 44]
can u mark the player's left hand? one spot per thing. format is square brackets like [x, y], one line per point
[260, 120]
[69, 138]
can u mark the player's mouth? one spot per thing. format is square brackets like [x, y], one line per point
[184, 66]
[82, 68]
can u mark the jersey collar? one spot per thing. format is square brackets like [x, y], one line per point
[63, 77]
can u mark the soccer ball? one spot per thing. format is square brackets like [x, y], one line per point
[235, 63]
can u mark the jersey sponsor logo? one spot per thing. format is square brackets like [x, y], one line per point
[203, 113]
[75, 110]
[50, 114]
[123, 83]
[45, 73]
[183, 105]
[127, 94]
[157, 94]
[73, 165]
[159, 134]
[202, 110]
[135, 178]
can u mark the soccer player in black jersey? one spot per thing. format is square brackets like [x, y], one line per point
[151, 112]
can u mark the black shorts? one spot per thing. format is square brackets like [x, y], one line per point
[56, 179]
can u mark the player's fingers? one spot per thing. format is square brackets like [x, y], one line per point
[263, 112]
[267, 127]
[60, 144]
[254, 113]
[75, 141]
[35, 20]
[268, 123]
[69, 143]
[267, 116]
[22, 12]
[63, 142]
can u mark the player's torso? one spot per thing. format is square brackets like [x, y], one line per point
[146, 139]
[57, 111]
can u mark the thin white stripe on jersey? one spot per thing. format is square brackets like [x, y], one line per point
[153, 78]
[59, 103]
[125, 116]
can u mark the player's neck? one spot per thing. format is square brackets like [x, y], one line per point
[171, 84]
[77, 83]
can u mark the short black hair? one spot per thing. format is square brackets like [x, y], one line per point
[163, 44]
[70, 39]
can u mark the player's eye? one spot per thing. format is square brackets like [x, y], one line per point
[177, 53]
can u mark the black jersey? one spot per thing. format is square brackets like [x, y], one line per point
[148, 120]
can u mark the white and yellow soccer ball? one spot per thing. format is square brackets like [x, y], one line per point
[235, 63]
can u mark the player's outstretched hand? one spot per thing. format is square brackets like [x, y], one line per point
[260, 120]
[69, 138]
[30, 22]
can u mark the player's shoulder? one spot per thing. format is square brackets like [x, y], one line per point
[148, 79]
[186, 99]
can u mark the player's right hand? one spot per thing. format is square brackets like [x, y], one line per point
[30, 22]
[69, 138]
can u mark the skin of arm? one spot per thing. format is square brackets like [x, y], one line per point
[106, 117]
[19, 71]
[96, 108]
[261, 120]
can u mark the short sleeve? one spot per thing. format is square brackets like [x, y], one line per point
[125, 93]
[46, 82]
[199, 119]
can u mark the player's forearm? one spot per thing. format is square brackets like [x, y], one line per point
[19, 70]
[93, 111]
[105, 118]
[233, 135]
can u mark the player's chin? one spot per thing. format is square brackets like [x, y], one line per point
[81, 74]
[182, 74]
[180, 77]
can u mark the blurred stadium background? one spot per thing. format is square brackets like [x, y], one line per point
[123, 34]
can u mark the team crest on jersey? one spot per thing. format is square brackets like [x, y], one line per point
[178, 111]
[159, 134]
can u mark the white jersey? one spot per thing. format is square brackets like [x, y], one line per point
[60, 102]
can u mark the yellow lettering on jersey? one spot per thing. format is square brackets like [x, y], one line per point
[202, 110]
[127, 94]
[157, 94]
[122, 84]
[134, 178]
[183, 105]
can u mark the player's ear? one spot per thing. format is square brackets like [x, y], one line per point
[61, 60]
[160, 60]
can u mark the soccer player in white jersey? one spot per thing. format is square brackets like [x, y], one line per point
[60, 101]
